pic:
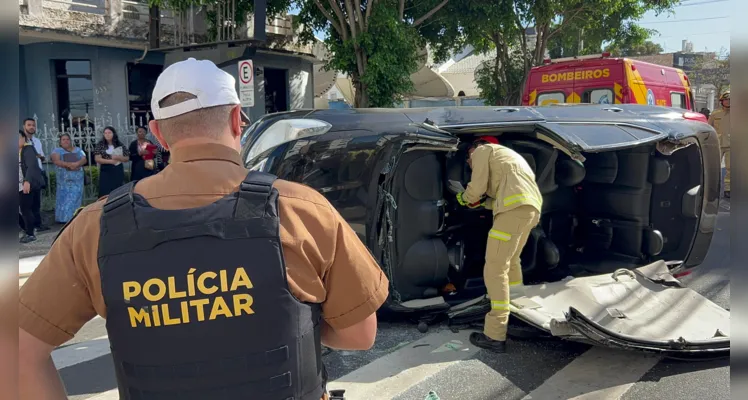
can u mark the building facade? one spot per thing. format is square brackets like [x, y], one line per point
[89, 64]
[85, 61]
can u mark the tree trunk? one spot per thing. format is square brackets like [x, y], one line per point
[361, 99]
[497, 72]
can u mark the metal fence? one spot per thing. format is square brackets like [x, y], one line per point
[85, 132]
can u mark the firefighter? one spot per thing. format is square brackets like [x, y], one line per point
[508, 183]
[720, 120]
[215, 282]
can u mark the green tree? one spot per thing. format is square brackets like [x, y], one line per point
[376, 42]
[713, 71]
[647, 48]
[568, 27]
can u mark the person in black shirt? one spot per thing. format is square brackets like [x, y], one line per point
[110, 154]
[30, 182]
[140, 167]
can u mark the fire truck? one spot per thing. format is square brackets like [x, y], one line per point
[603, 79]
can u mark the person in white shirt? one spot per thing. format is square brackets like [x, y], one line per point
[29, 128]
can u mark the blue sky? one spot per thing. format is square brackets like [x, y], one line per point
[706, 23]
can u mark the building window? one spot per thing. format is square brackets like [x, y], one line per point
[141, 79]
[678, 100]
[74, 91]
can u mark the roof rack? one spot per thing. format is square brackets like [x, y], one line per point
[576, 58]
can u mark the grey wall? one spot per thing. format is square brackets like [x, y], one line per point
[300, 85]
[108, 73]
[109, 76]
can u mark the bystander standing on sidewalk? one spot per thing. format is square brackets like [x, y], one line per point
[29, 129]
[29, 185]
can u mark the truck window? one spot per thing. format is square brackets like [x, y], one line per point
[547, 98]
[678, 100]
[598, 96]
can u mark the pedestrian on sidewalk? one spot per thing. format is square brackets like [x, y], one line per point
[109, 154]
[30, 182]
[29, 129]
[69, 161]
[145, 159]
[215, 282]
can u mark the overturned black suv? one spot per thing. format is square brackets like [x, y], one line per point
[630, 193]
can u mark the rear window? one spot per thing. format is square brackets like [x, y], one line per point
[598, 96]
[547, 98]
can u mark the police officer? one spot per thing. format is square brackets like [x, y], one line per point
[215, 283]
[720, 120]
[508, 183]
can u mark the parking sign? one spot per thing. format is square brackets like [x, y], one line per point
[246, 83]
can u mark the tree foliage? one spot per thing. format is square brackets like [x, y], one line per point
[376, 42]
[713, 71]
[565, 27]
[647, 48]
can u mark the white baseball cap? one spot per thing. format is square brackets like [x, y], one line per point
[210, 85]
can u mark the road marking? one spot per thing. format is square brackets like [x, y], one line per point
[397, 372]
[81, 352]
[112, 394]
[600, 374]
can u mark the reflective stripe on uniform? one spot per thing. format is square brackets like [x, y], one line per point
[499, 305]
[460, 200]
[519, 197]
[503, 236]
[515, 283]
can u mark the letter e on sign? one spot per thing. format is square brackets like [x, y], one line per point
[247, 83]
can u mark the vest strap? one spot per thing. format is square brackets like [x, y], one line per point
[119, 212]
[254, 195]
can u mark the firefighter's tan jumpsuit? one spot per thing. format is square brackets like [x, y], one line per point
[507, 180]
[720, 120]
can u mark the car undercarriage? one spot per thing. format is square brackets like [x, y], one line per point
[618, 209]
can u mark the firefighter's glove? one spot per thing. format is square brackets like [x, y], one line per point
[462, 202]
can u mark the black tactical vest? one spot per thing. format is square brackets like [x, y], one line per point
[198, 305]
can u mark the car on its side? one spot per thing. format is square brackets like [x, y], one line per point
[630, 192]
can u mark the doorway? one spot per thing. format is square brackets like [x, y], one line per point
[276, 90]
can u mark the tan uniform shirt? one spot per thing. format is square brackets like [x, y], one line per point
[505, 177]
[325, 260]
[720, 120]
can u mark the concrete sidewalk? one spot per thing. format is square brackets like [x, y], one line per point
[26, 266]
[31, 254]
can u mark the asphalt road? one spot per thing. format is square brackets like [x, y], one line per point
[406, 364]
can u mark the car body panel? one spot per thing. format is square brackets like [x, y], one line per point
[352, 165]
[642, 309]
